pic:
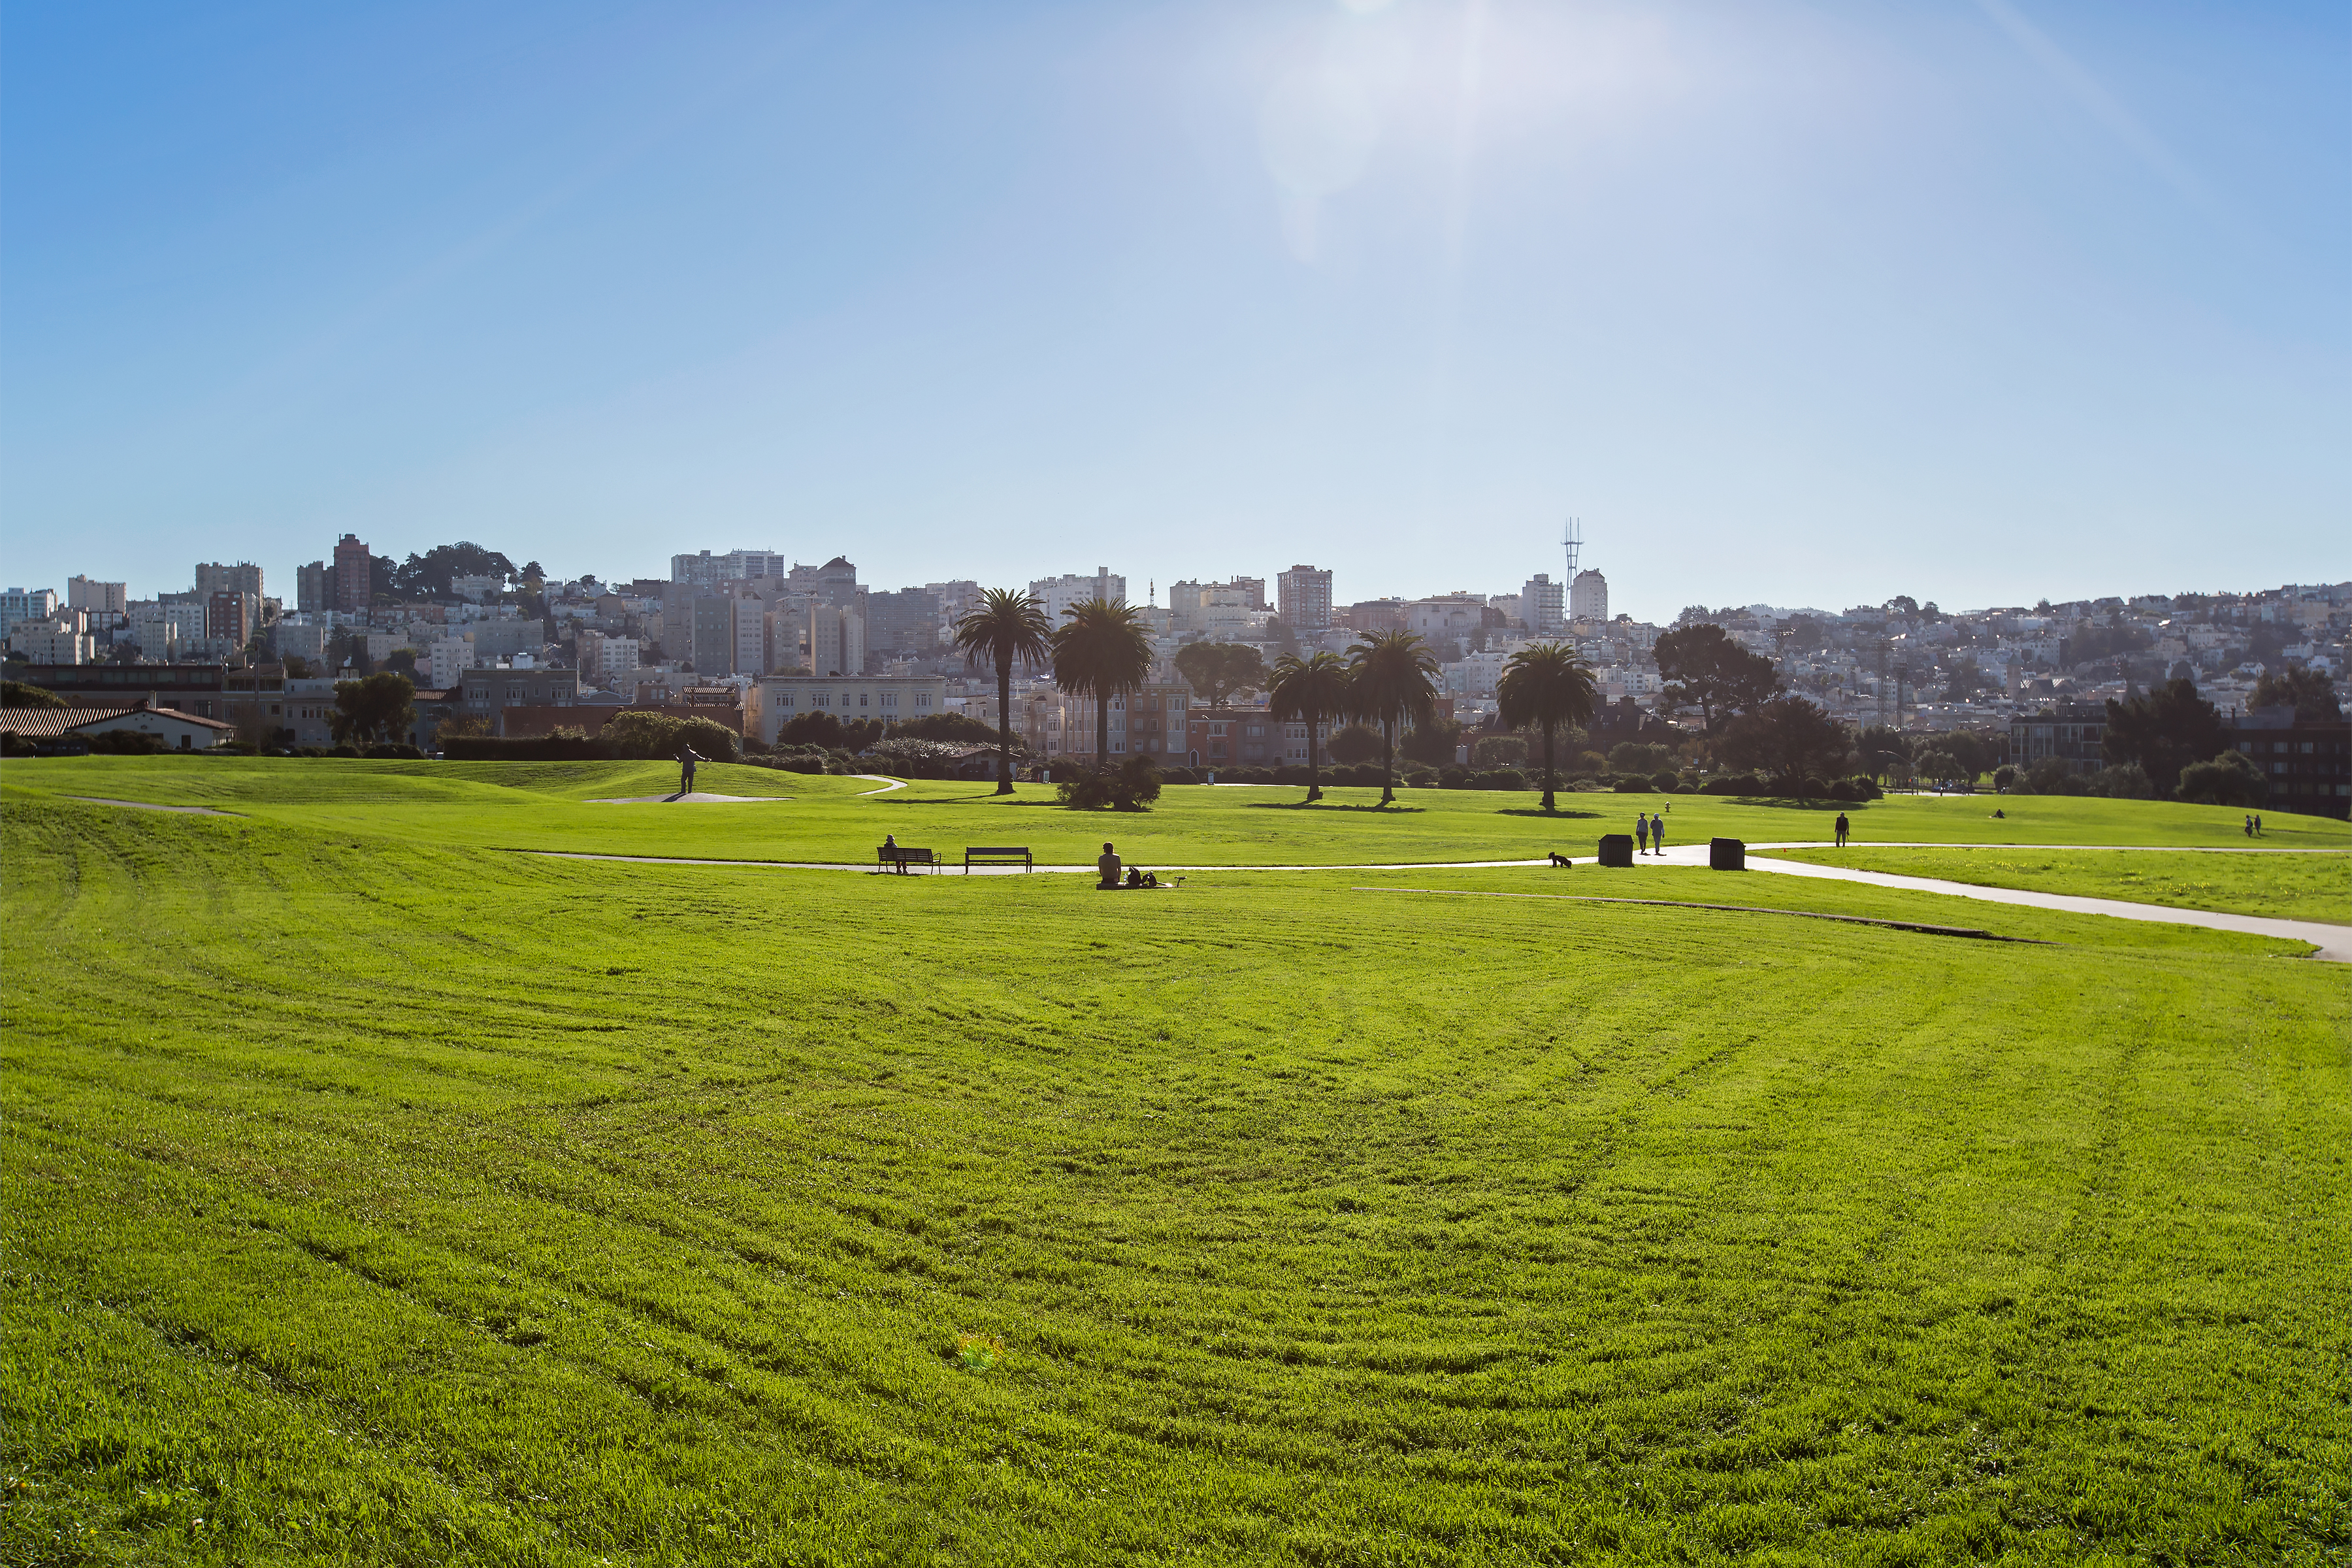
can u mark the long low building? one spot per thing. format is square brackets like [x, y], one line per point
[775, 701]
[181, 732]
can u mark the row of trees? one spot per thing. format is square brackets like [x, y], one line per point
[1388, 681]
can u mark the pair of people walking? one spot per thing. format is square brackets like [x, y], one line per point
[1648, 828]
[2253, 826]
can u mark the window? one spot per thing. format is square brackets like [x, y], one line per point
[889, 700]
[922, 699]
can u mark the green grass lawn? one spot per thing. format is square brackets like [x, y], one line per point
[2288, 887]
[549, 806]
[374, 1199]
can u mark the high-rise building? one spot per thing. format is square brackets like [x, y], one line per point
[1059, 594]
[954, 598]
[107, 598]
[229, 616]
[836, 640]
[314, 587]
[212, 577]
[704, 570]
[1587, 597]
[835, 583]
[1543, 605]
[905, 622]
[1302, 598]
[355, 588]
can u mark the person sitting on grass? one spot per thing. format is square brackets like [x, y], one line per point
[1108, 866]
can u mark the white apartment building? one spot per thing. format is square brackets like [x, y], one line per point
[59, 641]
[447, 662]
[1446, 621]
[105, 598]
[20, 605]
[1543, 605]
[893, 699]
[1059, 594]
[705, 570]
[607, 658]
[1222, 612]
[1587, 597]
[831, 641]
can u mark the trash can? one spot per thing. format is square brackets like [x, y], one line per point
[1617, 850]
[1726, 855]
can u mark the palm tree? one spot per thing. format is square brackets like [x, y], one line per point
[1312, 690]
[1389, 683]
[1547, 686]
[1104, 652]
[1003, 627]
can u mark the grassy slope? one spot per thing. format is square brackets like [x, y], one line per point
[826, 820]
[373, 1199]
[2289, 886]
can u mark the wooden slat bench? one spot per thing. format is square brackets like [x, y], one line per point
[906, 855]
[997, 855]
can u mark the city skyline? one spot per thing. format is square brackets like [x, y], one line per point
[1788, 305]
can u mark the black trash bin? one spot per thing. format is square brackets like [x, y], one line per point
[1726, 855]
[1617, 850]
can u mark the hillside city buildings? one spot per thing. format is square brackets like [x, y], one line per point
[758, 637]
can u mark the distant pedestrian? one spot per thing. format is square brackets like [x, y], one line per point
[1642, 830]
[1658, 834]
[1842, 825]
[2250, 825]
[687, 758]
[2258, 824]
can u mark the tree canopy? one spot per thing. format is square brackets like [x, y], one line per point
[2164, 731]
[1004, 627]
[1102, 651]
[374, 707]
[1705, 669]
[1391, 681]
[2310, 693]
[1546, 686]
[1788, 739]
[1221, 671]
[430, 575]
[1310, 691]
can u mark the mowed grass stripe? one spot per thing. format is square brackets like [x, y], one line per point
[1312, 1233]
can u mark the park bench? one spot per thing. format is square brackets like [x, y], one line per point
[906, 855]
[997, 855]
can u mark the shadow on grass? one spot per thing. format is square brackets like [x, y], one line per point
[1326, 805]
[975, 800]
[1550, 816]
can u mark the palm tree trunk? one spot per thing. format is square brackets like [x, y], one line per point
[1004, 724]
[1314, 778]
[1102, 732]
[1387, 761]
[1549, 784]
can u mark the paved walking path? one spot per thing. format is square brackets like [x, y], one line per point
[699, 797]
[2334, 942]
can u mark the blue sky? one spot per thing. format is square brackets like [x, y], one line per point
[1979, 300]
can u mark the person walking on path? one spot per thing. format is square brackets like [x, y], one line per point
[1842, 825]
[1642, 830]
[687, 758]
[1658, 834]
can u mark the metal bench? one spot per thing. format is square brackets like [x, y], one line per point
[906, 855]
[997, 855]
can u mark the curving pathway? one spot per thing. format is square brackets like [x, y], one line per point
[2333, 942]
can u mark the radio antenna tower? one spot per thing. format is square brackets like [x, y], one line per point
[1572, 540]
